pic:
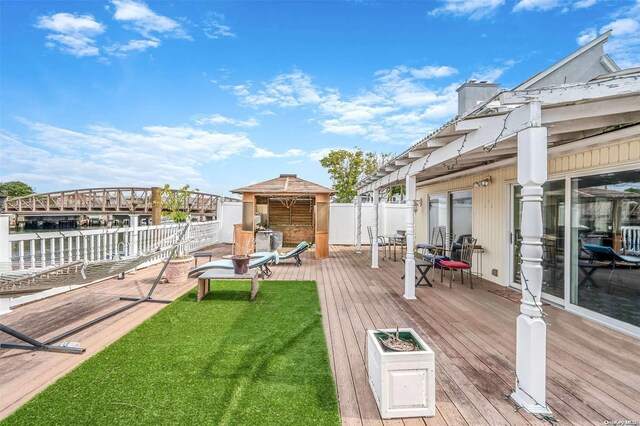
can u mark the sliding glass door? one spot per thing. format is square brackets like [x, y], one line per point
[605, 244]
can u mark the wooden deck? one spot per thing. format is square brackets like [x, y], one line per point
[593, 373]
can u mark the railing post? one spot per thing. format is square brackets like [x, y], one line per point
[5, 245]
[531, 330]
[410, 263]
[374, 243]
[358, 224]
[133, 225]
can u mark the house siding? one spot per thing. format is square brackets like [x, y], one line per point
[491, 203]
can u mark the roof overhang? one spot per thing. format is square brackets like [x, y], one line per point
[487, 134]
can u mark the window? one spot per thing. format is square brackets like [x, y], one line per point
[461, 203]
[605, 267]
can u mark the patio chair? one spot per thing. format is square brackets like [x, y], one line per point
[433, 242]
[466, 257]
[631, 240]
[258, 260]
[381, 242]
[296, 252]
[606, 254]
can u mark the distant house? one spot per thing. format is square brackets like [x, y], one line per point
[572, 130]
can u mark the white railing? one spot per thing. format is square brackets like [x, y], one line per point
[37, 250]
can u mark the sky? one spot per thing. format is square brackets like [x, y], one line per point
[222, 94]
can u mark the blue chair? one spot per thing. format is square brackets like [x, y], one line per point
[296, 252]
[608, 255]
[258, 260]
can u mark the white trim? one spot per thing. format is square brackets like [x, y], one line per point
[609, 64]
[621, 326]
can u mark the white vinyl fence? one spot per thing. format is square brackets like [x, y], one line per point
[342, 221]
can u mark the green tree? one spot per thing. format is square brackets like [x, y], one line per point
[174, 202]
[346, 168]
[15, 189]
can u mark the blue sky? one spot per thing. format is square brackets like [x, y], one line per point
[223, 94]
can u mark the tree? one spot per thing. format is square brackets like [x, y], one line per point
[15, 189]
[346, 168]
[174, 202]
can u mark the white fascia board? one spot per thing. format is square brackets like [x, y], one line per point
[596, 108]
[486, 131]
[616, 86]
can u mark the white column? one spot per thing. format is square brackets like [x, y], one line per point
[359, 223]
[531, 330]
[5, 245]
[374, 243]
[410, 262]
[133, 224]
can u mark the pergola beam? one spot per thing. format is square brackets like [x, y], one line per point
[486, 131]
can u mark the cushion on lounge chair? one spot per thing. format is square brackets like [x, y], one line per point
[297, 250]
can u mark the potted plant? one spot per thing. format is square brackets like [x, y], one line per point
[401, 370]
[175, 207]
[241, 260]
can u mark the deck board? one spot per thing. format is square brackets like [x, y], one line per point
[593, 373]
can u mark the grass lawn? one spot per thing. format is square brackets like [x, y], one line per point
[224, 360]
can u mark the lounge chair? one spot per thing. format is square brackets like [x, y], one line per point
[608, 254]
[296, 252]
[258, 260]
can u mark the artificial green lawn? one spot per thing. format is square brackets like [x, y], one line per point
[224, 360]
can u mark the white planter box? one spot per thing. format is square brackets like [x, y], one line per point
[403, 383]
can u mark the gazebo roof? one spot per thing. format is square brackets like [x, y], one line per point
[285, 184]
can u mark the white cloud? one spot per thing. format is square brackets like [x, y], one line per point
[493, 73]
[474, 9]
[217, 119]
[214, 27]
[583, 4]
[621, 27]
[105, 155]
[72, 34]
[131, 46]
[285, 90]
[624, 44]
[541, 5]
[433, 71]
[586, 36]
[265, 153]
[146, 21]
[402, 104]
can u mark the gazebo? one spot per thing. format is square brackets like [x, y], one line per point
[297, 208]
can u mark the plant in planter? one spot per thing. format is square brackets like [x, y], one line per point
[175, 207]
[401, 370]
[241, 260]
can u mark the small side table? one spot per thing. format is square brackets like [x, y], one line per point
[198, 254]
[204, 280]
[423, 266]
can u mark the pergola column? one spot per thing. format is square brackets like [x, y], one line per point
[374, 243]
[531, 330]
[410, 263]
[359, 224]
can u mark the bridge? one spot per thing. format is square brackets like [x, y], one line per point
[126, 201]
